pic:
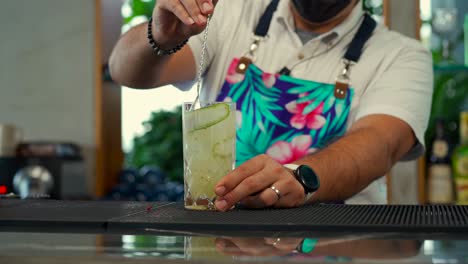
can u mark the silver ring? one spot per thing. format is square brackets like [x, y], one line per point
[278, 193]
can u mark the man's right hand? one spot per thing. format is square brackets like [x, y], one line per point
[133, 63]
[177, 20]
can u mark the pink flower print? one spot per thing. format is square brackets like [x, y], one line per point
[232, 75]
[284, 152]
[313, 120]
[269, 79]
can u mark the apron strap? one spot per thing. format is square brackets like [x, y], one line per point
[354, 52]
[363, 34]
[264, 24]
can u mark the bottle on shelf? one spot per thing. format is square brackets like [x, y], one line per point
[440, 180]
[460, 161]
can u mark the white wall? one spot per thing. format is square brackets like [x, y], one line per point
[47, 70]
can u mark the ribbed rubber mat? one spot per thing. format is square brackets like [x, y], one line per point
[127, 216]
[47, 214]
[346, 218]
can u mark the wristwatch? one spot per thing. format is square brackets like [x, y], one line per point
[307, 177]
[307, 245]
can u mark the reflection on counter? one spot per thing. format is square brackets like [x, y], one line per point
[362, 248]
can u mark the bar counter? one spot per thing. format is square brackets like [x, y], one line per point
[44, 231]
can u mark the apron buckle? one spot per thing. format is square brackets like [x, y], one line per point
[249, 57]
[243, 65]
[341, 90]
[342, 82]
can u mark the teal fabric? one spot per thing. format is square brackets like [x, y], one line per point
[282, 116]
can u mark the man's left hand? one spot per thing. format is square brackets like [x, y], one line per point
[253, 183]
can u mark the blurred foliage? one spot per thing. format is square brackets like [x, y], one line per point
[160, 145]
[450, 98]
[137, 8]
[375, 7]
[450, 91]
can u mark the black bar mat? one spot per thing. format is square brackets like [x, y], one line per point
[121, 217]
[40, 215]
[320, 218]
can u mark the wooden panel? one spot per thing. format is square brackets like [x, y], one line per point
[109, 156]
[386, 12]
[403, 16]
[422, 189]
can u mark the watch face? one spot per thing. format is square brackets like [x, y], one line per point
[308, 245]
[308, 178]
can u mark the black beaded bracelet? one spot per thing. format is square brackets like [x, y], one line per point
[157, 50]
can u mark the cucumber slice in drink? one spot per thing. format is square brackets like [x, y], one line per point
[207, 116]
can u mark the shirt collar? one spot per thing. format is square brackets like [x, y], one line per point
[284, 16]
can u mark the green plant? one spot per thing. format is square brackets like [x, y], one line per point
[373, 7]
[450, 90]
[450, 98]
[160, 145]
[137, 8]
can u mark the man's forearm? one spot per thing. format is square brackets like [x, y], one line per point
[133, 63]
[350, 164]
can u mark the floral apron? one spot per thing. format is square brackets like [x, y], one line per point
[285, 117]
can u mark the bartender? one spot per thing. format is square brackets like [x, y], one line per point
[328, 100]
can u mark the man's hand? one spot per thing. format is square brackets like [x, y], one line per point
[365, 153]
[178, 20]
[133, 63]
[257, 246]
[251, 185]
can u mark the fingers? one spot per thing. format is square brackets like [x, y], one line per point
[206, 6]
[294, 194]
[198, 9]
[256, 246]
[291, 195]
[243, 247]
[266, 198]
[179, 11]
[227, 247]
[284, 243]
[258, 182]
[234, 178]
[254, 178]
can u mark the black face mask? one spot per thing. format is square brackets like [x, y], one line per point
[319, 11]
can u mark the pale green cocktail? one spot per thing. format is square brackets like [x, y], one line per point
[209, 135]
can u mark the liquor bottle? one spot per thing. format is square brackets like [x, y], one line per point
[440, 180]
[460, 161]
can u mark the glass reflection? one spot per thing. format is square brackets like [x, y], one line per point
[367, 248]
[281, 249]
[330, 248]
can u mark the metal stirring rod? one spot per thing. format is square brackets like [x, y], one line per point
[202, 64]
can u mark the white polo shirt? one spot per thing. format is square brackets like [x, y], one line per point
[394, 75]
